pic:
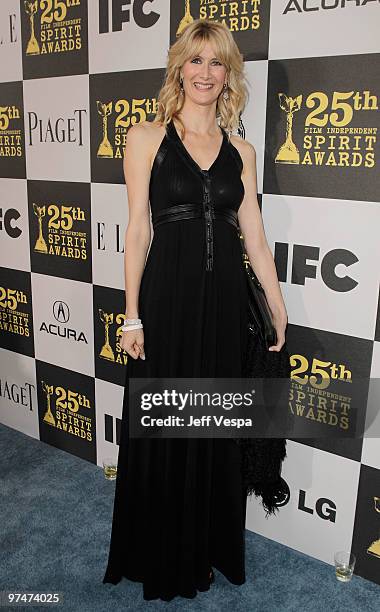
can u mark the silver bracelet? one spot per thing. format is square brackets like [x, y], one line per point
[132, 321]
[131, 327]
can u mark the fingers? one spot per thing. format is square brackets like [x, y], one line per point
[130, 349]
[135, 351]
[140, 349]
[133, 344]
[277, 347]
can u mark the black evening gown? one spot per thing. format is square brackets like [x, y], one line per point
[180, 504]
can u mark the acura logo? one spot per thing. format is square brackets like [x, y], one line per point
[61, 311]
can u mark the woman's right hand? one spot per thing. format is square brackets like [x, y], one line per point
[133, 342]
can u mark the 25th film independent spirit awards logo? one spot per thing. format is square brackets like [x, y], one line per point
[109, 317]
[112, 113]
[248, 21]
[66, 406]
[366, 535]
[322, 127]
[60, 229]
[16, 320]
[54, 37]
[12, 136]
[329, 383]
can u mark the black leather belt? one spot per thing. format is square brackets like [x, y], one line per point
[178, 212]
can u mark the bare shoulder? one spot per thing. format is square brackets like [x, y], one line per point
[144, 133]
[145, 136]
[245, 148]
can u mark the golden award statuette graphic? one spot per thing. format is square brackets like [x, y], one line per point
[40, 245]
[374, 549]
[288, 153]
[48, 417]
[186, 19]
[32, 46]
[106, 352]
[105, 148]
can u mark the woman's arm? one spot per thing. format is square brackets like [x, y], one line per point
[256, 245]
[136, 164]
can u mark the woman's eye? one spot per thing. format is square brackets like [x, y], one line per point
[196, 59]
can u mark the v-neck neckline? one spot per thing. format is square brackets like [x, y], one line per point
[190, 157]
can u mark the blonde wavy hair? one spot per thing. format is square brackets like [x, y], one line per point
[194, 36]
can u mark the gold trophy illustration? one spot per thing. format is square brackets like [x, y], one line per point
[48, 417]
[374, 548]
[105, 148]
[106, 352]
[288, 153]
[32, 47]
[186, 19]
[40, 245]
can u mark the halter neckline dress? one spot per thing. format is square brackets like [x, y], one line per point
[180, 504]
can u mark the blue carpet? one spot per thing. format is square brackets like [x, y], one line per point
[56, 513]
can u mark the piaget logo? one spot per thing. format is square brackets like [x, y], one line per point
[331, 137]
[62, 238]
[57, 32]
[13, 317]
[47, 130]
[112, 145]
[10, 134]
[66, 410]
[111, 349]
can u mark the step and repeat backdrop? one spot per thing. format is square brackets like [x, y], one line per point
[74, 76]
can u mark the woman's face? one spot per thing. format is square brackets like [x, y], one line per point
[203, 76]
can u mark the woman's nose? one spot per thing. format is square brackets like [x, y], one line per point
[204, 70]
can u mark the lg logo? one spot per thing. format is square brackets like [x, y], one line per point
[7, 222]
[116, 12]
[332, 267]
[324, 507]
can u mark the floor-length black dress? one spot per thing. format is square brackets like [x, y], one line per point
[180, 504]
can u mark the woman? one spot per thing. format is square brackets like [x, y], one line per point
[180, 504]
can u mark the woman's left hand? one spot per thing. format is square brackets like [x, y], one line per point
[280, 322]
